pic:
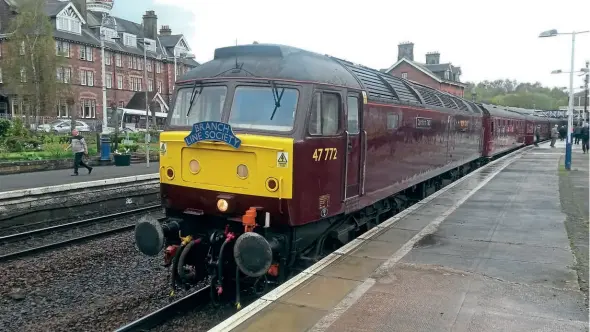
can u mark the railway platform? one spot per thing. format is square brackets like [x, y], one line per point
[62, 177]
[490, 252]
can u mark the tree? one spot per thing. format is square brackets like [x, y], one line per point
[511, 93]
[31, 60]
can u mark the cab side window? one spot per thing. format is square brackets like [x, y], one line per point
[325, 114]
[353, 115]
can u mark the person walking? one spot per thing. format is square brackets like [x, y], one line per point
[79, 148]
[577, 134]
[537, 135]
[585, 135]
[554, 135]
[562, 132]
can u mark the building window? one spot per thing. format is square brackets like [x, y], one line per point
[158, 67]
[62, 48]
[69, 22]
[148, 66]
[109, 80]
[121, 104]
[130, 62]
[64, 74]
[139, 64]
[23, 75]
[159, 86]
[135, 83]
[86, 53]
[86, 77]
[88, 108]
[120, 82]
[62, 109]
[107, 58]
[109, 34]
[447, 74]
[405, 75]
[150, 85]
[118, 61]
[129, 40]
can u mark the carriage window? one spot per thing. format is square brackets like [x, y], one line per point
[325, 114]
[264, 108]
[392, 120]
[353, 115]
[207, 105]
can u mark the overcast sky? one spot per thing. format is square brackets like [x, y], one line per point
[489, 39]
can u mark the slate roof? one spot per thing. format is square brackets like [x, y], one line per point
[90, 34]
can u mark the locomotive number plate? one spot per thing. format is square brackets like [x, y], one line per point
[325, 154]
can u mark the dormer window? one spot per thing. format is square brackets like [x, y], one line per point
[129, 40]
[68, 21]
[447, 75]
[150, 45]
[109, 34]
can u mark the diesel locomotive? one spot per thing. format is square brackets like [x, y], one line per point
[273, 154]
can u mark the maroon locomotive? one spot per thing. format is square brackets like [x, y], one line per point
[273, 154]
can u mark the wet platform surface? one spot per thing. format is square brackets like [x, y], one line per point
[488, 253]
[63, 176]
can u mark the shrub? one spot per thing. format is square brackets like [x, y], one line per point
[130, 147]
[20, 144]
[4, 127]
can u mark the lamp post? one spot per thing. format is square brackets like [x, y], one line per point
[570, 109]
[105, 141]
[147, 103]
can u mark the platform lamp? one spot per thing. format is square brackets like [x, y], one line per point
[570, 109]
[105, 140]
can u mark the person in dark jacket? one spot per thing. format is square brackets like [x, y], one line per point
[585, 135]
[577, 134]
[562, 132]
[537, 135]
[79, 148]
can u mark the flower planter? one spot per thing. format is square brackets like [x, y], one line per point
[122, 159]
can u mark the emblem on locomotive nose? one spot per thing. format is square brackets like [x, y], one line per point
[212, 131]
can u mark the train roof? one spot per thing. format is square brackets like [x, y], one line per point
[281, 62]
[502, 111]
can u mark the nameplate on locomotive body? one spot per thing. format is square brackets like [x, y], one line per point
[212, 131]
[423, 123]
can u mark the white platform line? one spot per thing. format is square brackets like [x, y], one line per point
[252, 309]
[76, 185]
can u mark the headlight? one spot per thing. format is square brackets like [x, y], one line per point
[222, 205]
[242, 171]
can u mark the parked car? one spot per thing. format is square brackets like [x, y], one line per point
[63, 126]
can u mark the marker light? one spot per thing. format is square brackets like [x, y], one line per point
[222, 205]
[242, 171]
[170, 173]
[194, 166]
[272, 184]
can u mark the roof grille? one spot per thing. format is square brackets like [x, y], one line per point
[429, 96]
[403, 92]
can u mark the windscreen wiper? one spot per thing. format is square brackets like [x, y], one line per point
[194, 95]
[277, 98]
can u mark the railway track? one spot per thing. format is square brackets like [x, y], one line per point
[38, 233]
[198, 298]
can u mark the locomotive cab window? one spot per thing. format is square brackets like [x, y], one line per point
[325, 114]
[264, 108]
[353, 115]
[198, 103]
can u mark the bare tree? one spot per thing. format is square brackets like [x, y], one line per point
[31, 59]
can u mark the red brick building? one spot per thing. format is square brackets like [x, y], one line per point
[78, 27]
[432, 73]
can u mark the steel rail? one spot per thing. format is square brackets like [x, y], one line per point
[153, 319]
[40, 231]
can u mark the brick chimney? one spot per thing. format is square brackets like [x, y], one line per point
[165, 30]
[150, 25]
[81, 7]
[405, 50]
[432, 58]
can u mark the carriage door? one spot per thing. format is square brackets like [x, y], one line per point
[353, 146]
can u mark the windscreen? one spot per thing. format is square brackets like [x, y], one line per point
[263, 108]
[207, 105]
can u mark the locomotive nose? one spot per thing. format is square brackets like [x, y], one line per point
[149, 236]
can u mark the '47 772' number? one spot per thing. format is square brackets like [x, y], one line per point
[325, 154]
